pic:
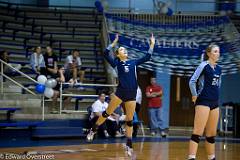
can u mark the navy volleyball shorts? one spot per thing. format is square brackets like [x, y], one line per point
[211, 104]
[126, 94]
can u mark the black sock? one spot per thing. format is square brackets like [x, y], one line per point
[129, 142]
[94, 128]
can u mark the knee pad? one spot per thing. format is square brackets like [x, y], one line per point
[104, 114]
[210, 139]
[195, 138]
[129, 123]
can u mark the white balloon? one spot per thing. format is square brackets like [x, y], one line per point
[54, 83]
[164, 10]
[41, 79]
[51, 83]
[49, 92]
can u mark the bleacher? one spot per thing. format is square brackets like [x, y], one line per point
[23, 29]
[9, 122]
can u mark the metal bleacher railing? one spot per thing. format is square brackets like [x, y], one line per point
[20, 12]
[15, 82]
[4, 64]
[26, 20]
[82, 96]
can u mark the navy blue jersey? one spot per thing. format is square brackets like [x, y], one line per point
[126, 69]
[205, 82]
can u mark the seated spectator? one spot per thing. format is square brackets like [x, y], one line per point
[37, 61]
[61, 77]
[110, 125]
[8, 71]
[73, 64]
[50, 62]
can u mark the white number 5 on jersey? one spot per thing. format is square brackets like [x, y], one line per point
[126, 68]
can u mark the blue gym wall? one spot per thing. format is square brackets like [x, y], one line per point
[21, 1]
[146, 5]
[196, 6]
[83, 3]
[230, 88]
[143, 5]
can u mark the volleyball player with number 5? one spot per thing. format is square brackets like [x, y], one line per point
[126, 89]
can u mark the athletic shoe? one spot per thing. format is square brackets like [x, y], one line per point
[129, 151]
[153, 133]
[106, 134]
[90, 135]
[163, 134]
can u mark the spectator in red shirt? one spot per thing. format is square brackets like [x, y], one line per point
[154, 94]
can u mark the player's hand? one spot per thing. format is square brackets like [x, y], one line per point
[115, 40]
[194, 98]
[152, 40]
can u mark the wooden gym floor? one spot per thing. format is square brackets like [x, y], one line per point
[148, 148]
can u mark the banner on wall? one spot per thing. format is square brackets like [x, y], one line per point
[179, 48]
[184, 46]
[188, 42]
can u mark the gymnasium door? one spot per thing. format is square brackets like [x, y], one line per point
[181, 107]
[143, 81]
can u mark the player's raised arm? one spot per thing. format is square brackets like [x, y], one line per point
[147, 56]
[108, 57]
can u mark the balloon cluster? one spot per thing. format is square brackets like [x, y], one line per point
[164, 8]
[45, 86]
